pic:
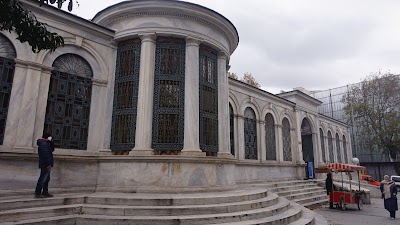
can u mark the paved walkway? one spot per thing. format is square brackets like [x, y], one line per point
[373, 214]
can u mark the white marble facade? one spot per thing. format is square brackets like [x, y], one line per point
[96, 41]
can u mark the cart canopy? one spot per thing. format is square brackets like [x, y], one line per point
[339, 167]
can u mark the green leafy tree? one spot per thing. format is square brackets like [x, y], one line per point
[249, 79]
[375, 106]
[15, 17]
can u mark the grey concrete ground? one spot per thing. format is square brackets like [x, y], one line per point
[373, 214]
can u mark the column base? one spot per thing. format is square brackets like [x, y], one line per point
[141, 152]
[192, 152]
[225, 155]
[23, 149]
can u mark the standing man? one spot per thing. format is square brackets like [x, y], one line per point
[329, 188]
[45, 151]
[389, 194]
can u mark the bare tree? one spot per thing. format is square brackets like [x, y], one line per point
[249, 79]
[233, 75]
[375, 103]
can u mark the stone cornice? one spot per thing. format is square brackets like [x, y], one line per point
[32, 65]
[177, 9]
[99, 82]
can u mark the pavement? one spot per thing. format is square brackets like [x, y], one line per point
[374, 214]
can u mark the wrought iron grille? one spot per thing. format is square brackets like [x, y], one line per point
[270, 137]
[7, 49]
[68, 102]
[287, 146]
[169, 95]
[346, 160]
[250, 134]
[208, 99]
[125, 95]
[339, 154]
[330, 147]
[321, 136]
[232, 129]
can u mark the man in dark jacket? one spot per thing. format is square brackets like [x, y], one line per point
[45, 151]
[329, 188]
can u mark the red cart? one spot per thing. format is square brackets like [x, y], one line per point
[340, 195]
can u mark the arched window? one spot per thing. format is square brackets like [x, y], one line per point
[125, 95]
[339, 153]
[232, 129]
[330, 147]
[346, 160]
[68, 102]
[169, 94]
[270, 143]
[321, 136]
[208, 98]
[7, 67]
[250, 134]
[287, 146]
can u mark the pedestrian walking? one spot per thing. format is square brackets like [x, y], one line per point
[389, 194]
[45, 151]
[329, 188]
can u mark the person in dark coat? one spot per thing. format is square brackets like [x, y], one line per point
[389, 194]
[45, 151]
[329, 188]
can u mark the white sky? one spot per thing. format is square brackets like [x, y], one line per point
[315, 44]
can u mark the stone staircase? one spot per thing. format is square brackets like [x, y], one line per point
[244, 206]
[304, 192]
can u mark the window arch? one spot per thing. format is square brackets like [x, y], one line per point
[346, 160]
[208, 99]
[126, 87]
[7, 67]
[68, 102]
[287, 146]
[169, 94]
[339, 153]
[330, 147]
[250, 134]
[321, 136]
[232, 129]
[270, 143]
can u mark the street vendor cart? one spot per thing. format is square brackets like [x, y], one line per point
[340, 195]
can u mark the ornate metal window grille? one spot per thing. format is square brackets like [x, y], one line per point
[232, 129]
[346, 160]
[270, 141]
[169, 91]
[125, 95]
[339, 153]
[330, 147]
[68, 102]
[250, 134]
[208, 98]
[7, 67]
[287, 141]
[321, 136]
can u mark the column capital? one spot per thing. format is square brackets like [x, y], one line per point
[191, 41]
[222, 55]
[148, 37]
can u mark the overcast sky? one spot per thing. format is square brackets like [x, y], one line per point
[315, 44]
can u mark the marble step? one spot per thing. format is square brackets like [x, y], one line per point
[304, 191]
[280, 207]
[291, 215]
[309, 194]
[274, 184]
[316, 204]
[121, 210]
[142, 199]
[309, 200]
[292, 187]
[59, 220]
[30, 202]
[39, 212]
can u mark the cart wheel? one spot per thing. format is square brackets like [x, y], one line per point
[342, 205]
[360, 204]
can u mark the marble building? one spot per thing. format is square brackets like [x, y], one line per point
[138, 99]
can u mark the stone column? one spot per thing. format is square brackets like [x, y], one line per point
[315, 149]
[335, 158]
[144, 118]
[42, 104]
[296, 153]
[191, 142]
[240, 137]
[262, 146]
[223, 108]
[279, 142]
[28, 108]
